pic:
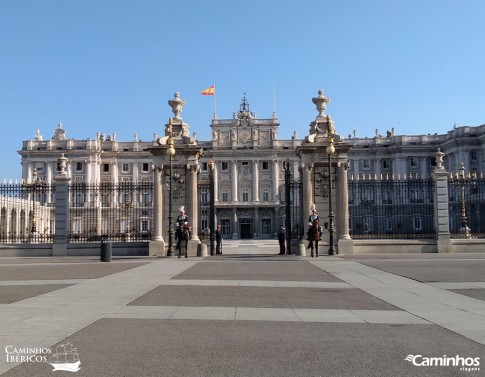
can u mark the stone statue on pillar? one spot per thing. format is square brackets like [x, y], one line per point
[176, 127]
[322, 127]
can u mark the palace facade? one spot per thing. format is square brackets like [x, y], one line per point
[248, 155]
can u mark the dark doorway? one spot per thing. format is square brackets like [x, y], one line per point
[245, 230]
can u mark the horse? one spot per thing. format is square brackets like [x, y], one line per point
[183, 236]
[314, 234]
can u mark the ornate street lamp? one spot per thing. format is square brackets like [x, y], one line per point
[331, 229]
[170, 153]
[461, 179]
[212, 222]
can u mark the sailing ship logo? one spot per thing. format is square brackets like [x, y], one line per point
[65, 358]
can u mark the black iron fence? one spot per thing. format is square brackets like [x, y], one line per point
[296, 210]
[107, 211]
[27, 213]
[391, 209]
[203, 190]
[467, 220]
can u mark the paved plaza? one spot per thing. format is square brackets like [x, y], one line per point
[247, 312]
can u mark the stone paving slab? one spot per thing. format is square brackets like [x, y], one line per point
[63, 271]
[268, 314]
[476, 292]
[438, 306]
[257, 348]
[261, 283]
[26, 261]
[14, 293]
[41, 282]
[287, 270]
[261, 297]
[432, 269]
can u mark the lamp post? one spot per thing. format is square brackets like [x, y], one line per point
[331, 229]
[212, 222]
[170, 153]
[286, 168]
[461, 178]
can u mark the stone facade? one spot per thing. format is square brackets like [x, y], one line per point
[248, 156]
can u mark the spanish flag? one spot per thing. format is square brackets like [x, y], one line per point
[211, 91]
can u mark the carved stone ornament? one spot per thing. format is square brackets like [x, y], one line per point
[439, 159]
[59, 133]
[177, 104]
[321, 102]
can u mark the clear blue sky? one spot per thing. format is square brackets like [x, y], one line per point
[111, 66]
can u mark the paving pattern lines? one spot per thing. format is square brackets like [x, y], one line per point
[458, 313]
[46, 319]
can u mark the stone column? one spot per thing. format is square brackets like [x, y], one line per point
[157, 243]
[235, 229]
[62, 222]
[356, 168]
[257, 224]
[424, 167]
[216, 183]
[441, 210]
[345, 243]
[377, 168]
[255, 181]
[306, 174]
[48, 176]
[276, 182]
[234, 181]
[192, 200]
[135, 172]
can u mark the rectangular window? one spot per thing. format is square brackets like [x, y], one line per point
[265, 165]
[385, 164]
[144, 226]
[204, 166]
[224, 166]
[105, 168]
[76, 226]
[365, 164]
[417, 223]
[125, 168]
[265, 194]
[144, 167]
[204, 223]
[474, 155]
[245, 163]
[389, 224]
[413, 162]
[204, 197]
[387, 197]
[245, 195]
[266, 226]
[225, 227]
[225, 195]
[79, 166]
[78, 199]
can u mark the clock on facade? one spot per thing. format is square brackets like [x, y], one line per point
[244, 136]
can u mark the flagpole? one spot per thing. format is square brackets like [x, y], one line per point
[215, 94]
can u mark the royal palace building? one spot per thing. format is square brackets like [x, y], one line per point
[248, 155]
